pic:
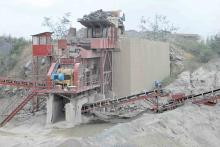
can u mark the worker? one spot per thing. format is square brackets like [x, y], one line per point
[158, 86]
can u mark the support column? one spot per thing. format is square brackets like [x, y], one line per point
[55, 109]
[73, 110]
[50, 100]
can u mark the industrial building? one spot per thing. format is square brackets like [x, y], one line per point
[101, 66]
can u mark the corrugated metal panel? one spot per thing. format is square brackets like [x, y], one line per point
[42, 50]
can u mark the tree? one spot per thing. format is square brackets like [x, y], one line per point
[215, 44]
[159, 28]
[59, 27]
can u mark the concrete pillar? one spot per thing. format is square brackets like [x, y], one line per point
[50, 100]
[73, 110]
[54, 109]
[70, 112]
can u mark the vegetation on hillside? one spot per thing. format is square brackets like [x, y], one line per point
[8, 61]
[203, 51]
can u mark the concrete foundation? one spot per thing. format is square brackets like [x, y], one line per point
[73, 110]
[62, 109]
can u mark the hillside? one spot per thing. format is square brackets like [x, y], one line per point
[5, 46]
[22, 68]
[10, 53]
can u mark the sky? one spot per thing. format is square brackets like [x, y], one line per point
[22, 18]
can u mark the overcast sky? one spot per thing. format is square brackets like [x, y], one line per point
[24, 17]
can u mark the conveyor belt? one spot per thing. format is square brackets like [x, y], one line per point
[21, 83]
[127, 99]
[200, 98]
[171, 104]
[174, 102]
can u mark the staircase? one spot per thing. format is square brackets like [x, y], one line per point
[14, 108]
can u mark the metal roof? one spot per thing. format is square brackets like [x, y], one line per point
[43, 34]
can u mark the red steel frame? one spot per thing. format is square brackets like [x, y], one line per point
[106, 71]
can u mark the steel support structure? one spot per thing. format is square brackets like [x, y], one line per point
[106, 71]
[39, 75]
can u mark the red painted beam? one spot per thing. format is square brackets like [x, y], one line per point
[19, 107]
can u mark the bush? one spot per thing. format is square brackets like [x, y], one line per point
[206, 55]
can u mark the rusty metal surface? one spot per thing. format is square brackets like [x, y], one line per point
[42, 50]
[62, 44]
[103, 43]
